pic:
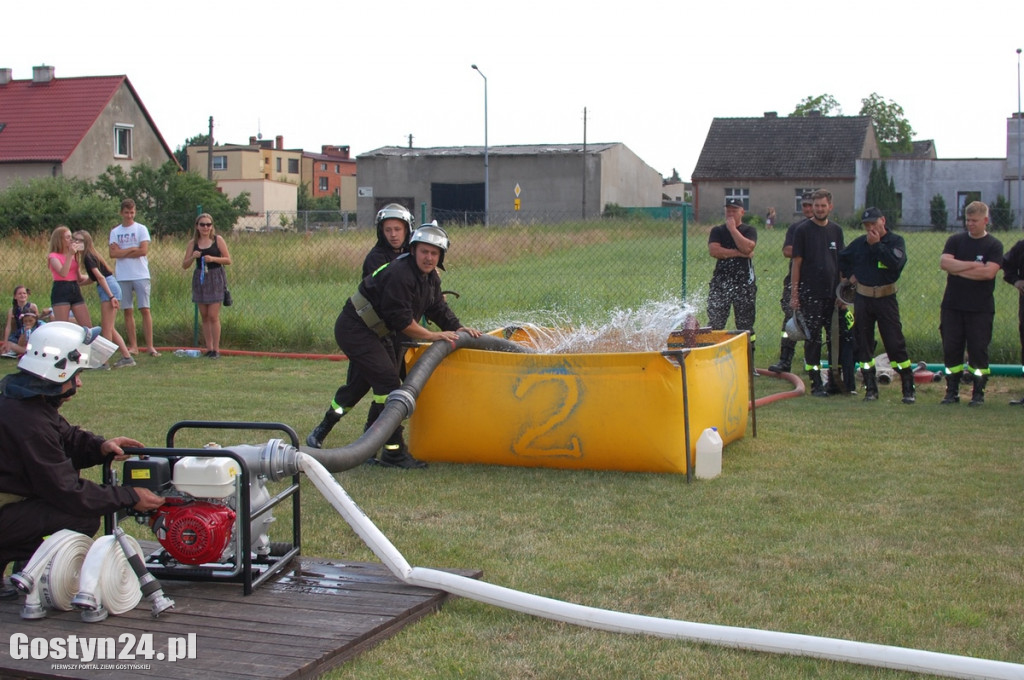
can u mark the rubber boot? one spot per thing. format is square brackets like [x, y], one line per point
[817, 388]
[316, 438]
[396, 454]
[907, 378]
[978, 394]
[870, 384]
[785, 362]
[952, 389]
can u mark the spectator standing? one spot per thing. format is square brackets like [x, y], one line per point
[733, 283]
[873, 263]
[208, 251]
[769, 219]
[971, 260]
[66, 293]
[129, 248]
[97, 269]
[814, 278]
[1013, 274]
[787, 346]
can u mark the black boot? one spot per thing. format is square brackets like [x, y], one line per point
[952, 389]
[316, 438]
[7, 591]
[907, 378]
[396, 454]
[817, 388]
[785, 362]
[870, 384]
[978, 394]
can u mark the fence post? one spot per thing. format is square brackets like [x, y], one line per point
[684, 255]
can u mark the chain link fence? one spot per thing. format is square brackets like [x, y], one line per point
[293, 272]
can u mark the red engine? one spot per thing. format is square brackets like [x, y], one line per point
[194, 532]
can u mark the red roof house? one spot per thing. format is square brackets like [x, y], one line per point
[75, 127]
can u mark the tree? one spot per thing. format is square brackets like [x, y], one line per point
[881, 193]
[166, 198]
[1000, 213]
[825, 104]
[305, 201]
[939, 214]
[892, 129]
[181, 153]
[42, 204]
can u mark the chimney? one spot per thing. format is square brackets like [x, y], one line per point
[279, 142]
[252, 141]
[42, 74]
[5, 76]
[771, 114]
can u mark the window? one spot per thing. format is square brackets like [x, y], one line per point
[220, 162]
[323, 184]
[122, 141]
[293, 166]
[323, 167]
[963, 199]
[743, 194]
[337, 169]
[799, 199]
[278, 168]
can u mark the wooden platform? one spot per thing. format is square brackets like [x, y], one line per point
[314, 616]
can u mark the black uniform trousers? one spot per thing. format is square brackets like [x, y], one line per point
[741, 297]
[885, 311]
[817, 314]
[965, 330]
[24, 524]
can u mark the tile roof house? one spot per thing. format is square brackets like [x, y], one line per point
[770, 161]
[74, 127]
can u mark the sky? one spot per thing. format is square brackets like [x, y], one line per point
[651, 75]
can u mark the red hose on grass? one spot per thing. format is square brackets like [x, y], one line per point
[797, 391]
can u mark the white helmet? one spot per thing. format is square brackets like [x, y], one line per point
[394, 211]
[846, 292]
[59, 350]
[434, 235]
[796, 327]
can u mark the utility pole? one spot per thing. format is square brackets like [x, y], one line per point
[209, 152]
[584, 211]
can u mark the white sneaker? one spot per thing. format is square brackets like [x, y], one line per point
[124, 362]
[9, 355]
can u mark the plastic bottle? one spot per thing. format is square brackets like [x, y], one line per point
[191, 353]
[709, 454]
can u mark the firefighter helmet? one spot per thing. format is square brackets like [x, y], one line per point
[394, 211]
[59, 350]
[846, 292]
[796, 327]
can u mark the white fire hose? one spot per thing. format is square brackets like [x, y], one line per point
[883, 656]
[69, 570]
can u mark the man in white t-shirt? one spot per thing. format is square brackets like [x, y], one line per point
[129, 246]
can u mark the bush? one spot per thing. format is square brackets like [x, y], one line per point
[1000, 214]
[939, 214]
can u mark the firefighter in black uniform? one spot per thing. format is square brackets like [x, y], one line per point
[873, 263]
[733, 283]
[390, 301]
[787, 346]
[1013, 274]
[971, 260]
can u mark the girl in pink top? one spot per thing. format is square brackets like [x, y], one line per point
[66, 294]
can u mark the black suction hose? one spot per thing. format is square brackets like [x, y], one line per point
[401, 402]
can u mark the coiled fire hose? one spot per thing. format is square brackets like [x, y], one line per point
[70, 570]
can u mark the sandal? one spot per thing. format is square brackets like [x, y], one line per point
[154, 353]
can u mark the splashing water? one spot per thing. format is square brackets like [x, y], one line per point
[644, 329]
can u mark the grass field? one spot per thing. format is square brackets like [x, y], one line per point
[875, 522]
[289, 288]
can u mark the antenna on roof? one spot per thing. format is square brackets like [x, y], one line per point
[259, 133]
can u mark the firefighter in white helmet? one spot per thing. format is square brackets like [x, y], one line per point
[390, 301]
[41, 453]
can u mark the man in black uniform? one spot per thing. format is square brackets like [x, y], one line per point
[391, 301]
[41, 453]
[733, 283]
[1013, 274]
[394, 228]
[787, 346]
[814, 278]
[873, 263]
[971, 260]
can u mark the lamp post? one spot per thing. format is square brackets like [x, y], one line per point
[1020, 174]
[487, 179]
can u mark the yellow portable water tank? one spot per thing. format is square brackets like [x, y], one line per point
[627, 411]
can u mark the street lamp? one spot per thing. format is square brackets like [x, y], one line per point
[1020, 174]
[487, 179]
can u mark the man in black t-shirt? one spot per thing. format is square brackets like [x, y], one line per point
[733, 283]
[971, 260]
[787, 346]
[814, 276]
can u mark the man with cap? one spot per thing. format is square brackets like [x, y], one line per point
[787, 346]
[41, 453]
[733, 283]
[873, 263]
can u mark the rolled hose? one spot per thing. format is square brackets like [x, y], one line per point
[401, 402]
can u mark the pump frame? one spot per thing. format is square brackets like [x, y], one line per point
[250, 574]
